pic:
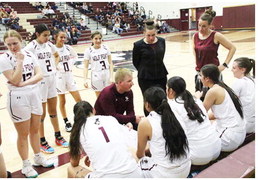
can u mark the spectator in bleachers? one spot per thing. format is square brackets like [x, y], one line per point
[62, 25]
[85, 8]
[13, 14]
[116, 28]
[4, 16]
[50, 13]
[7, 8]
[90, 7]
[83, 25]
[55, 22]
[39, 6]
[54, 6]
[165, 27]
[75, 34]
[14, 24]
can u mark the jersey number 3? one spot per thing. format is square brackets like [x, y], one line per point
[104, 133]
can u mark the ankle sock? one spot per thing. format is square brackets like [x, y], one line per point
[57, 134]
[43, 140]
[26, 163]
[65, 120]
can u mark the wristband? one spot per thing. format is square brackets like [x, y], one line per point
[225, 65]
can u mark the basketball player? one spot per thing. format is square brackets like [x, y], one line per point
[64, 76]
[46, 53]
[101, 64]
[204, 143]
[226, 109]
[244, 87]
[103, 139]
[22, 71]
[168, 145]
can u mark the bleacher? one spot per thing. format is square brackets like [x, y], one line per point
[237, 164]
[103, 7]
[27, 8]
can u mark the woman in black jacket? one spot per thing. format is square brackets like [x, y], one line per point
[148, 54]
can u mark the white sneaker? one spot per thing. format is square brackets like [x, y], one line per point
[68, 126]
[29, 172]
[41, 161]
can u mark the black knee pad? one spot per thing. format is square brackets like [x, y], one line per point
[52, 116]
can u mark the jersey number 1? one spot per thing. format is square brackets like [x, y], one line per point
[104, 133]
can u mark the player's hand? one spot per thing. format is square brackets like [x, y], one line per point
[138, 119]
[129, 125]
[198, 94]
[87, 161]
[19, 57]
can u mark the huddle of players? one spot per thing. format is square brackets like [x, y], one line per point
[181, 149]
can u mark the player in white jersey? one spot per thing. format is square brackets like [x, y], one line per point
[204, 143]
[22, 71]
[226, 109]
[64, 76]
[99, 56]
[103, 140]
[47, 57]
[244, 87]
[167, 141]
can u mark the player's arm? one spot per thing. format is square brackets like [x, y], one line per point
[85, 73]
[14, 76]
[144, 134]
[111, 67]
[36, 78]
[57, 58]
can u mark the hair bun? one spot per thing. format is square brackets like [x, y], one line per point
[149, 23]
[210, 12]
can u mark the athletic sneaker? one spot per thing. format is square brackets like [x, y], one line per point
[60, 141]
[68, 126]
[41, 161]
[46, 148]
[29, 172]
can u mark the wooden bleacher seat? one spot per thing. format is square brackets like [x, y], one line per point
[239, 164]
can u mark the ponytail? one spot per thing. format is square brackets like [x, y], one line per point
[81, 110]
[234, 98]
[193, 110]
[175, 139]
[178, 85]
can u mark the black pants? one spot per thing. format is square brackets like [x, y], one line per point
[147, 83]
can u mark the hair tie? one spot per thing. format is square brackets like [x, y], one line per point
[163, 101]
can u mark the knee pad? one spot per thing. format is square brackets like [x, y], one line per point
[52, 116]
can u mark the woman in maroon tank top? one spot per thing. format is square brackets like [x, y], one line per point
[206, 43]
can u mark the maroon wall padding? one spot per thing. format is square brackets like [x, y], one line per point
[217, 23]
[239, 17]
[175, 23]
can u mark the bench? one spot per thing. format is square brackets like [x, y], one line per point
[239, 164]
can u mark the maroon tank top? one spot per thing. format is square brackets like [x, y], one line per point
[206, 51]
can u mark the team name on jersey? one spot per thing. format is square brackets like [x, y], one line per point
[64, 58]
[44, 55]
[28, 67]
[99, 57]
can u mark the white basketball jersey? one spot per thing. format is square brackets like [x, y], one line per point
[104, 141]
[98, 57]
[44, 53]
[67, 58]
[8, 62]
